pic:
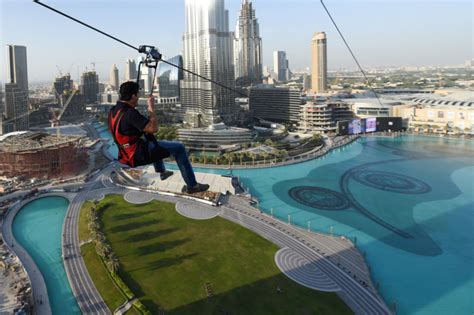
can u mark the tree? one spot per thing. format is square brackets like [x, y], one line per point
[269, 142]
[100, 249]
[251, 155]
[264, 155]
[113, 264]
[282, 153]
[241, 156]
[227, 157]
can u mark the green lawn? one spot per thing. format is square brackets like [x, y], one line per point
[111, 295]
[167, 259]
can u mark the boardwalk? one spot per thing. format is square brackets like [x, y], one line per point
[361, 298]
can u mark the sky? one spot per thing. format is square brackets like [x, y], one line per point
[382, 33]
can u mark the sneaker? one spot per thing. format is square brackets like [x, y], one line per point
[198, 188]
[165, 175]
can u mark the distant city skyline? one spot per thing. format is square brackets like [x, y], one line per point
[381, 33]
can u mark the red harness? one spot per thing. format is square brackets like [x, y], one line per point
[127, 145]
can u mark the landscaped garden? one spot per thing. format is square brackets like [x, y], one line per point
[176, 265]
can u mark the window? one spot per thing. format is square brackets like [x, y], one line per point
[431, 114]
[450, 115]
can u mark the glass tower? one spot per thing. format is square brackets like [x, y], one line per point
[208, 52]
[247, 46]
[169, 77]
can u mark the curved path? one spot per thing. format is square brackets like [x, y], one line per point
[196, 211]
[300, 270]
[321, 253]
[361, 299]
[87, 296]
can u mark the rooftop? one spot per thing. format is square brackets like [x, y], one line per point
[27, 141]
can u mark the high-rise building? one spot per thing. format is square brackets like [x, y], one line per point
[2, 109]
[247, 46]
[146, 79]
[169, 77]
[130, 70]
[277, 104]
[319, 69]
[208, 52]
[16, 107]
[62, 84]
[114, 78]
[18, 67]
[90, 86]
[280, 66]
[306, 82]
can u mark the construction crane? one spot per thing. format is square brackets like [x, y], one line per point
[59, 70]
[56, 118]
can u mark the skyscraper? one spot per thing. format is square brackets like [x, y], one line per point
[61, 84]
[2, 109]
[146, 78]
[319, 70]
[208, 51]
[130, 70]
[169, 77]
[114, 78]
[247, 46]
[90, 86]
[280, 65]
[16, 92]
[18, 67]
[16, 107]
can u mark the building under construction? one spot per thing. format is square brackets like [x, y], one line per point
[40, 155]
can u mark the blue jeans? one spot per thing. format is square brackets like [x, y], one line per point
[177, 150]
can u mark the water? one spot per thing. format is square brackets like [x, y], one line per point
[409, 204]
[37, 227]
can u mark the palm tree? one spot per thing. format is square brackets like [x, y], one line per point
[100, 249]
[93, 234]
[241, 156]
[227, 157]
[269, 142]
[264, 155]
[251, 155]
[113, 264]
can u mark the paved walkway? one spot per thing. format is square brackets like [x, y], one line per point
[305, 272]
[175, 183]
[196, 211]
[362, 299]
[83, 288]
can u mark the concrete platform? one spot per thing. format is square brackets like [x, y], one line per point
[175, 183]
[302, 271]
[138, 197]
[196, 211]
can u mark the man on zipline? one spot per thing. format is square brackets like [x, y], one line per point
[127, 126]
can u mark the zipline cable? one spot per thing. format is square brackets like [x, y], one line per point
[135, 48]
[353, 55]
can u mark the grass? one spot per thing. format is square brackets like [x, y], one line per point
[111, 295]
[167, 259]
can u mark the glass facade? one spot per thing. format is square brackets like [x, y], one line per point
[169, 77]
